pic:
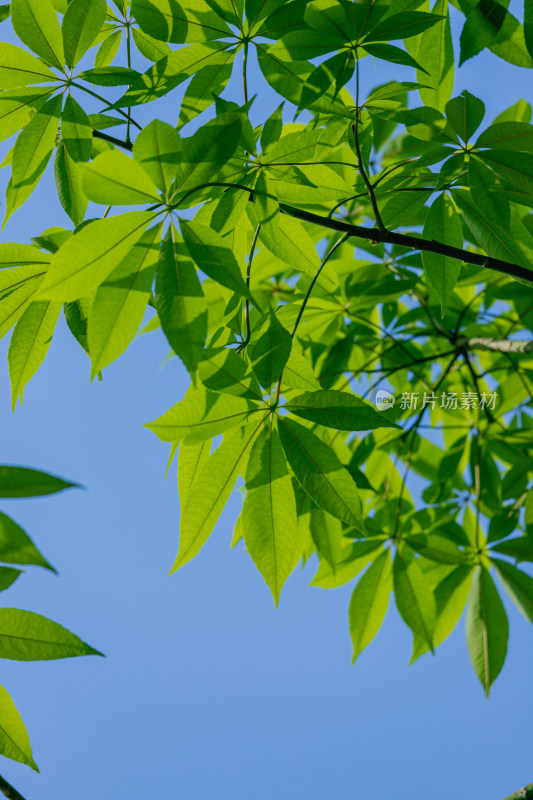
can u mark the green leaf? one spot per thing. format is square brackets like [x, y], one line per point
[35, 23]
[206, 152]
[443, 225]
[202, 415]
[69, 185]
[85, 260]
[339, 410]
[207, 84]
[25, 636]
[26, 482]
[272, 129]
[388, 52]
[32, 151]
[224, 371]
[180, 302]
[528, 27]
[114, 178]
[108, 49]
[81, 24]
[158, 150]
[168, 21]
[515, 169]
[13, 254]
[20, 68]
[320, 473]
[414, 598]
[120, 301]
[369, 602]
[401, 26]
[433, 49]
[17, 105]
[8, 576]
[356, 559]
[5, 12]
[508, 136]
[495, 240]
[148, 47]
[76, 316]
[16, 547]
[110, 76]
[210, 491]
[520, 548]
[289, 241]
[519, 586]
[269, 512]
[487, 628]
[172, 70]
[191, 458]
[76, 130]
[465, 114]
[213, 256]
[14, 740]
[451, 595]
[289, 79]
[29, 344]
[269, 353]
[16, 301]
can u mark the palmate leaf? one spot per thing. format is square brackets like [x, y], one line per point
[120, 301]
[14, 740]
[191, 458]
[487, 628]
[211, 489]
[29, 344]
[320, 473]
[85, 260]
[269, 512]
[25, 636]
[369, 602]
[339, 410]
[511, 135]
[401, 26]
[201, 415]
[180, 301]
[17, 105]
[356, 558]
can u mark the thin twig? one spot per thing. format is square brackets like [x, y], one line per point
[9, 791]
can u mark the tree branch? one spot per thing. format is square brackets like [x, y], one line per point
[8, 790]
[117, 142]
[390, 237]
[497, 345]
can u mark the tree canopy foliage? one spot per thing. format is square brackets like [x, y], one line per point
[347, 282]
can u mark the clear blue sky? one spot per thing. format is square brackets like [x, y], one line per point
[207, 691]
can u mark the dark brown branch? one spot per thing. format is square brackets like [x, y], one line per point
[390, 237]
[8, 790]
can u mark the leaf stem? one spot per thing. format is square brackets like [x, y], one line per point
[246, 340]
[244, 72]
[362, 170]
